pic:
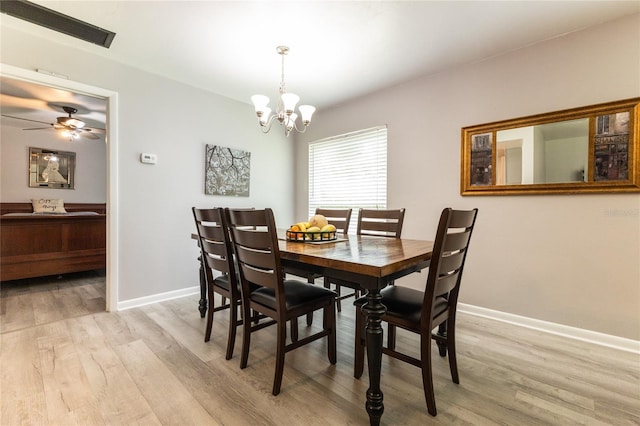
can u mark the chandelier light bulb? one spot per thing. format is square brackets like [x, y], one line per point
[260, 103]
[291, 121]
[264, 118]
[306, 111]
[289, 101]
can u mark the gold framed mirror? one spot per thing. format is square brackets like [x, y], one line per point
[581, 150]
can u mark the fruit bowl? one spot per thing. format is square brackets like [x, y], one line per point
[310, 236]
[317, 229]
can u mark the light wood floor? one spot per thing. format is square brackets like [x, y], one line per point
[65, 362]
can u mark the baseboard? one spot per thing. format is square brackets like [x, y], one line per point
[160, 297]
[594, 337]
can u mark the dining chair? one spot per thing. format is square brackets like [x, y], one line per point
[340, 218]
[255, 240]
[422, 311]
[380, 223]
[217, 255]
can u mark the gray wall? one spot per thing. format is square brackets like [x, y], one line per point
[175, 121]
[566, 259]
[90, 175]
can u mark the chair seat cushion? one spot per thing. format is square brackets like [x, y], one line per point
[296, 294]
[406, 303]
[222, 281]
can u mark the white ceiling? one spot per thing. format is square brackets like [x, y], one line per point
[339, 49]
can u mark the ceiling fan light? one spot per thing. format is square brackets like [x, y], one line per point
[71, 122]
[78, 124]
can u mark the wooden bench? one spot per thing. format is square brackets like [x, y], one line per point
[40, 245]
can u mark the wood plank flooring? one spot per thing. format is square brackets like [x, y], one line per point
[64, 361]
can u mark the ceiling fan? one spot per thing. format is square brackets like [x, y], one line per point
[69, 126]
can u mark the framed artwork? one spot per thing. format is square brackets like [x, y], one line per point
[226, 171]
[51, 169]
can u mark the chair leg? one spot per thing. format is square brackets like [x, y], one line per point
[451, 346]
[207, 333]
[280, 351]
[329, 321]
[246, 335]
[310, 280]
[427, 378]
[202, 304]
[358, 365]
[442, 331]
[233, 325]
[338, 303]
[294, 329]
[391, 336]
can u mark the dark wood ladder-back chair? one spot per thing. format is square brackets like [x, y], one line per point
[265, 290]
[422, 311]
[381, 223]
[340, 218]
[217, 255]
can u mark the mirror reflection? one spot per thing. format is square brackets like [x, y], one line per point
[588, 149]
[546, 153]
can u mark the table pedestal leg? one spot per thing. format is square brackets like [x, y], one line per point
[374, 310]
[202, 305]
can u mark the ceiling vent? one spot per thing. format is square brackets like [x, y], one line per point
[57, 21]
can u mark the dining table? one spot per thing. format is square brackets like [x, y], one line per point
[366, 263]
[369, 264]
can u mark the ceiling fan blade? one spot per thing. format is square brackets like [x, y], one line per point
[25, 119]
[89, 135]
[94, 130]
[38, 128]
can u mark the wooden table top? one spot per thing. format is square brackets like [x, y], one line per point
[370, 256]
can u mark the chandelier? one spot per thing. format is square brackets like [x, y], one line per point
[284, 108]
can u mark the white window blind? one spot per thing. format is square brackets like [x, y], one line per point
[349, 171]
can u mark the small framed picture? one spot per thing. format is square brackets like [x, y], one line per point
[227, 171]
[51, 169]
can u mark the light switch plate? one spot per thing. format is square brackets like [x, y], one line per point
[148, 158]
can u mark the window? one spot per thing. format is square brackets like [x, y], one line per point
[349, 171]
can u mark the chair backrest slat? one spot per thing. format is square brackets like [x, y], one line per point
[381, 223]
[340, 218]
[456, 241]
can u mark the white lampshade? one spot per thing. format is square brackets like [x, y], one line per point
[260, 102]
[265, 116]
[289, 101]
[290, 121]
[306, 111]
[74, 122]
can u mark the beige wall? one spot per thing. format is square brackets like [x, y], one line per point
[566, 259]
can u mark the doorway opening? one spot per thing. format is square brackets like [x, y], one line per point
[111, 97]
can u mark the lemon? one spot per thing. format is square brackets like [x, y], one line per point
[328, 228]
